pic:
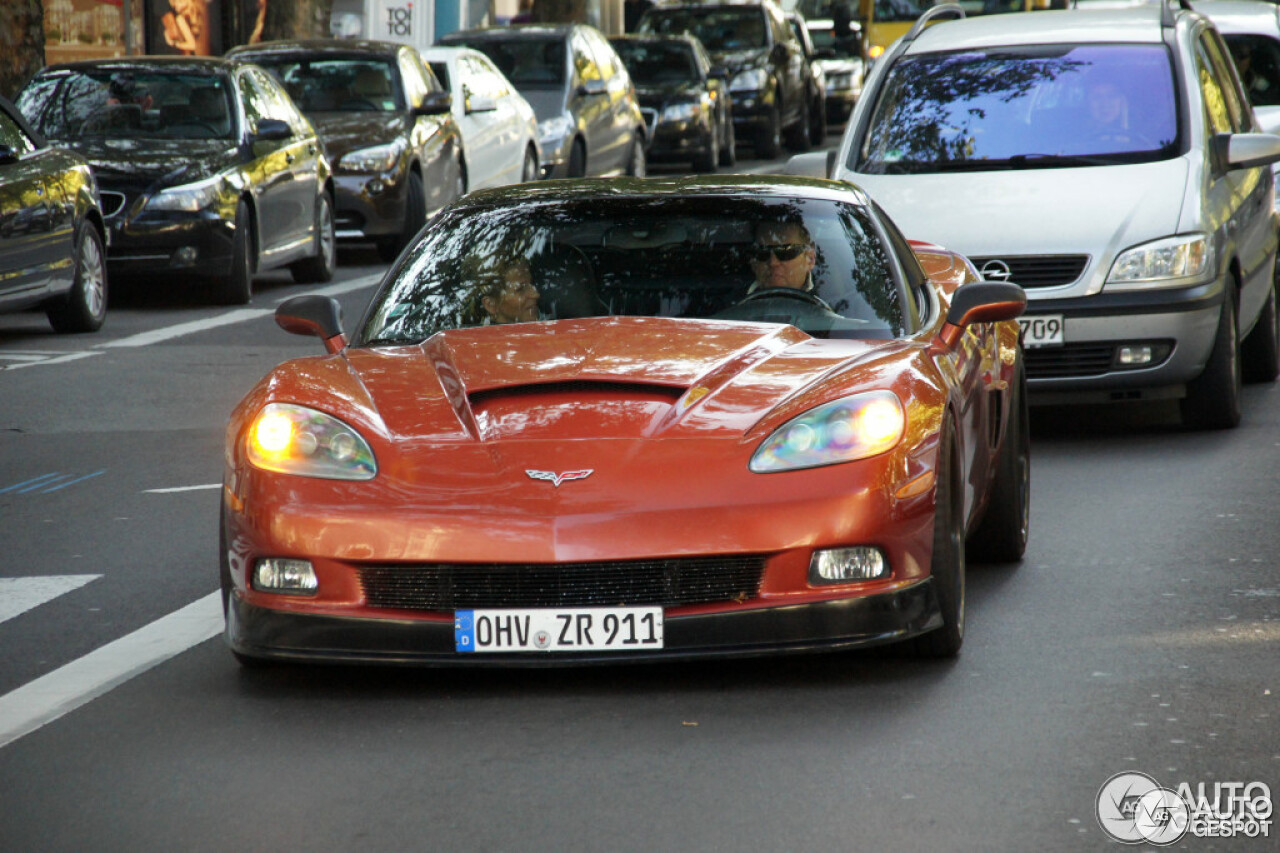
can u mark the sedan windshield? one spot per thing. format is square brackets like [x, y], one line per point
[656, 63]
[1017, 108]
[141, 104]
[336, 85]
[818, 265]
[536, 63]
[721, 28]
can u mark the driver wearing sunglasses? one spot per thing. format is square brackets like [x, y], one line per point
[783, 256]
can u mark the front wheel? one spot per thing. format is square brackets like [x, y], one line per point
[635, 160]
[798, 133]
[818, 122]
[947, 566]
[728, 154]
[236, 288]
[529, 171]
[1260, 352]
[769, 139]
[415, 215]
[85, 307]
[1213, 397]
[1002, 535]
[319, 267]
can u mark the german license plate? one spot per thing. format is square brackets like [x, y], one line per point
[583, 629]
[1042, 330]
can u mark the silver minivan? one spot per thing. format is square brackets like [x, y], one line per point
[1109, 162]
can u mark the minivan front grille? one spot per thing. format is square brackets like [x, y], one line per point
[1032, 271]
[657, 582]
[1070, 361]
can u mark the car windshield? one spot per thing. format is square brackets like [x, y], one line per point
[135, 104]
[721, 28]
[1257, 59]
[336, 85]
[657, 63]
[696, 257]
[527, 62]
[1016, 108]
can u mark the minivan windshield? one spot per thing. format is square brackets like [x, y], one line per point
[1023, 107]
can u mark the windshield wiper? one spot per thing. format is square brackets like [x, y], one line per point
[1041, 161]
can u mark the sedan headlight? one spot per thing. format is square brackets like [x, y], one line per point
[841, 431]
[682, 112]
[552, 132]
[188, 197]
[292, 439]
[1173, 262]
[751, 80]
[376, 158]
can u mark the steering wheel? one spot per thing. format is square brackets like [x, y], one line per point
[786, 293]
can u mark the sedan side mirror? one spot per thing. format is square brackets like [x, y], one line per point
[718, 72]
[481, 104]
[7, 155]
[272, 129]
[981, 302]
[320, 316]
[434, 104]
[591, 88]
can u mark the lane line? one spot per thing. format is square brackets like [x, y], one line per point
[18, 595]
[71, 356]
[239, 315]
[73, 482]
[26, 709]
[181, 489]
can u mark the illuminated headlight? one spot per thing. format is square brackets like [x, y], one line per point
[377, 158]
[188, 197]
[552, 132]
[291, 577]
[845, 565]
[841, 431]
[682, 112]
[1173, 262]
[753, 80]
[291, 439]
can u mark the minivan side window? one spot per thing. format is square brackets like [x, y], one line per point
[1237, 106]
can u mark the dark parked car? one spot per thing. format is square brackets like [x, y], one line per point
[684, 99]
[206, 168]
[386, 124]
[588, 118]
[51, 229]
[816, 88]
[769, 74]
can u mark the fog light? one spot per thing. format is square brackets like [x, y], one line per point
[1135, 355]
[842, 565]
[184, 257]
[291, 577]
[375, 186]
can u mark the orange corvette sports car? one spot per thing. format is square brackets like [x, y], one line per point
[605, 420]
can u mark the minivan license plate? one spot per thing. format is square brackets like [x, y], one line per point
[582, 629]
[1042, 330]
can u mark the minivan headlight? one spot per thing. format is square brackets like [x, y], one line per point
[1172, 262]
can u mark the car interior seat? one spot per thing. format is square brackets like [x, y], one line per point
[566, 284]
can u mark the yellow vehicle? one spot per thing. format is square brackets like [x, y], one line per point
[886, 21]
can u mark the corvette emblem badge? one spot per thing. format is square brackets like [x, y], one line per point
[556, 479]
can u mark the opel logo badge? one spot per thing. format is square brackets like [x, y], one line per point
[996, 270]
[556, 479]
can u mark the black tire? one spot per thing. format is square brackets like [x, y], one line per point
[728, 152]
[578, 160]
[236, 287]
[1260, 352]
[415, 216]
[798, 133]
[1213, 397]
[85, 307]
[530, 170]
[637, 167]
[818, 122]
[1002, 535]
[319, 267]
[948, 562]
[769, 138]
[710, 156]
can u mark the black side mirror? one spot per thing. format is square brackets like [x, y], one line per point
[434, 104]
[272, 130]
[779, 53]
[320, 316]
[718, 72]
[7, 155]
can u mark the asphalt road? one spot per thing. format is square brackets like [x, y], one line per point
[1140, 634]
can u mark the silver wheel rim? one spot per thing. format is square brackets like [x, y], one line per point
[93, 280]
[328, 243]
[637, 160]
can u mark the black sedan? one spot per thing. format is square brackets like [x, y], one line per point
[206, 167]
[386, 125]
[684, 99]
[51, 230]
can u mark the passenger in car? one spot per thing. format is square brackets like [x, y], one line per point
[509, 295]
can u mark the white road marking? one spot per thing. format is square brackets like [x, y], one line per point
[18, 595]
[240, 315]
[182, 489]
[41, 360]
[44, 700]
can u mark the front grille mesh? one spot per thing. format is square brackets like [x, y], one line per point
[1072, 360]
[1033, 271]
[661, 582]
